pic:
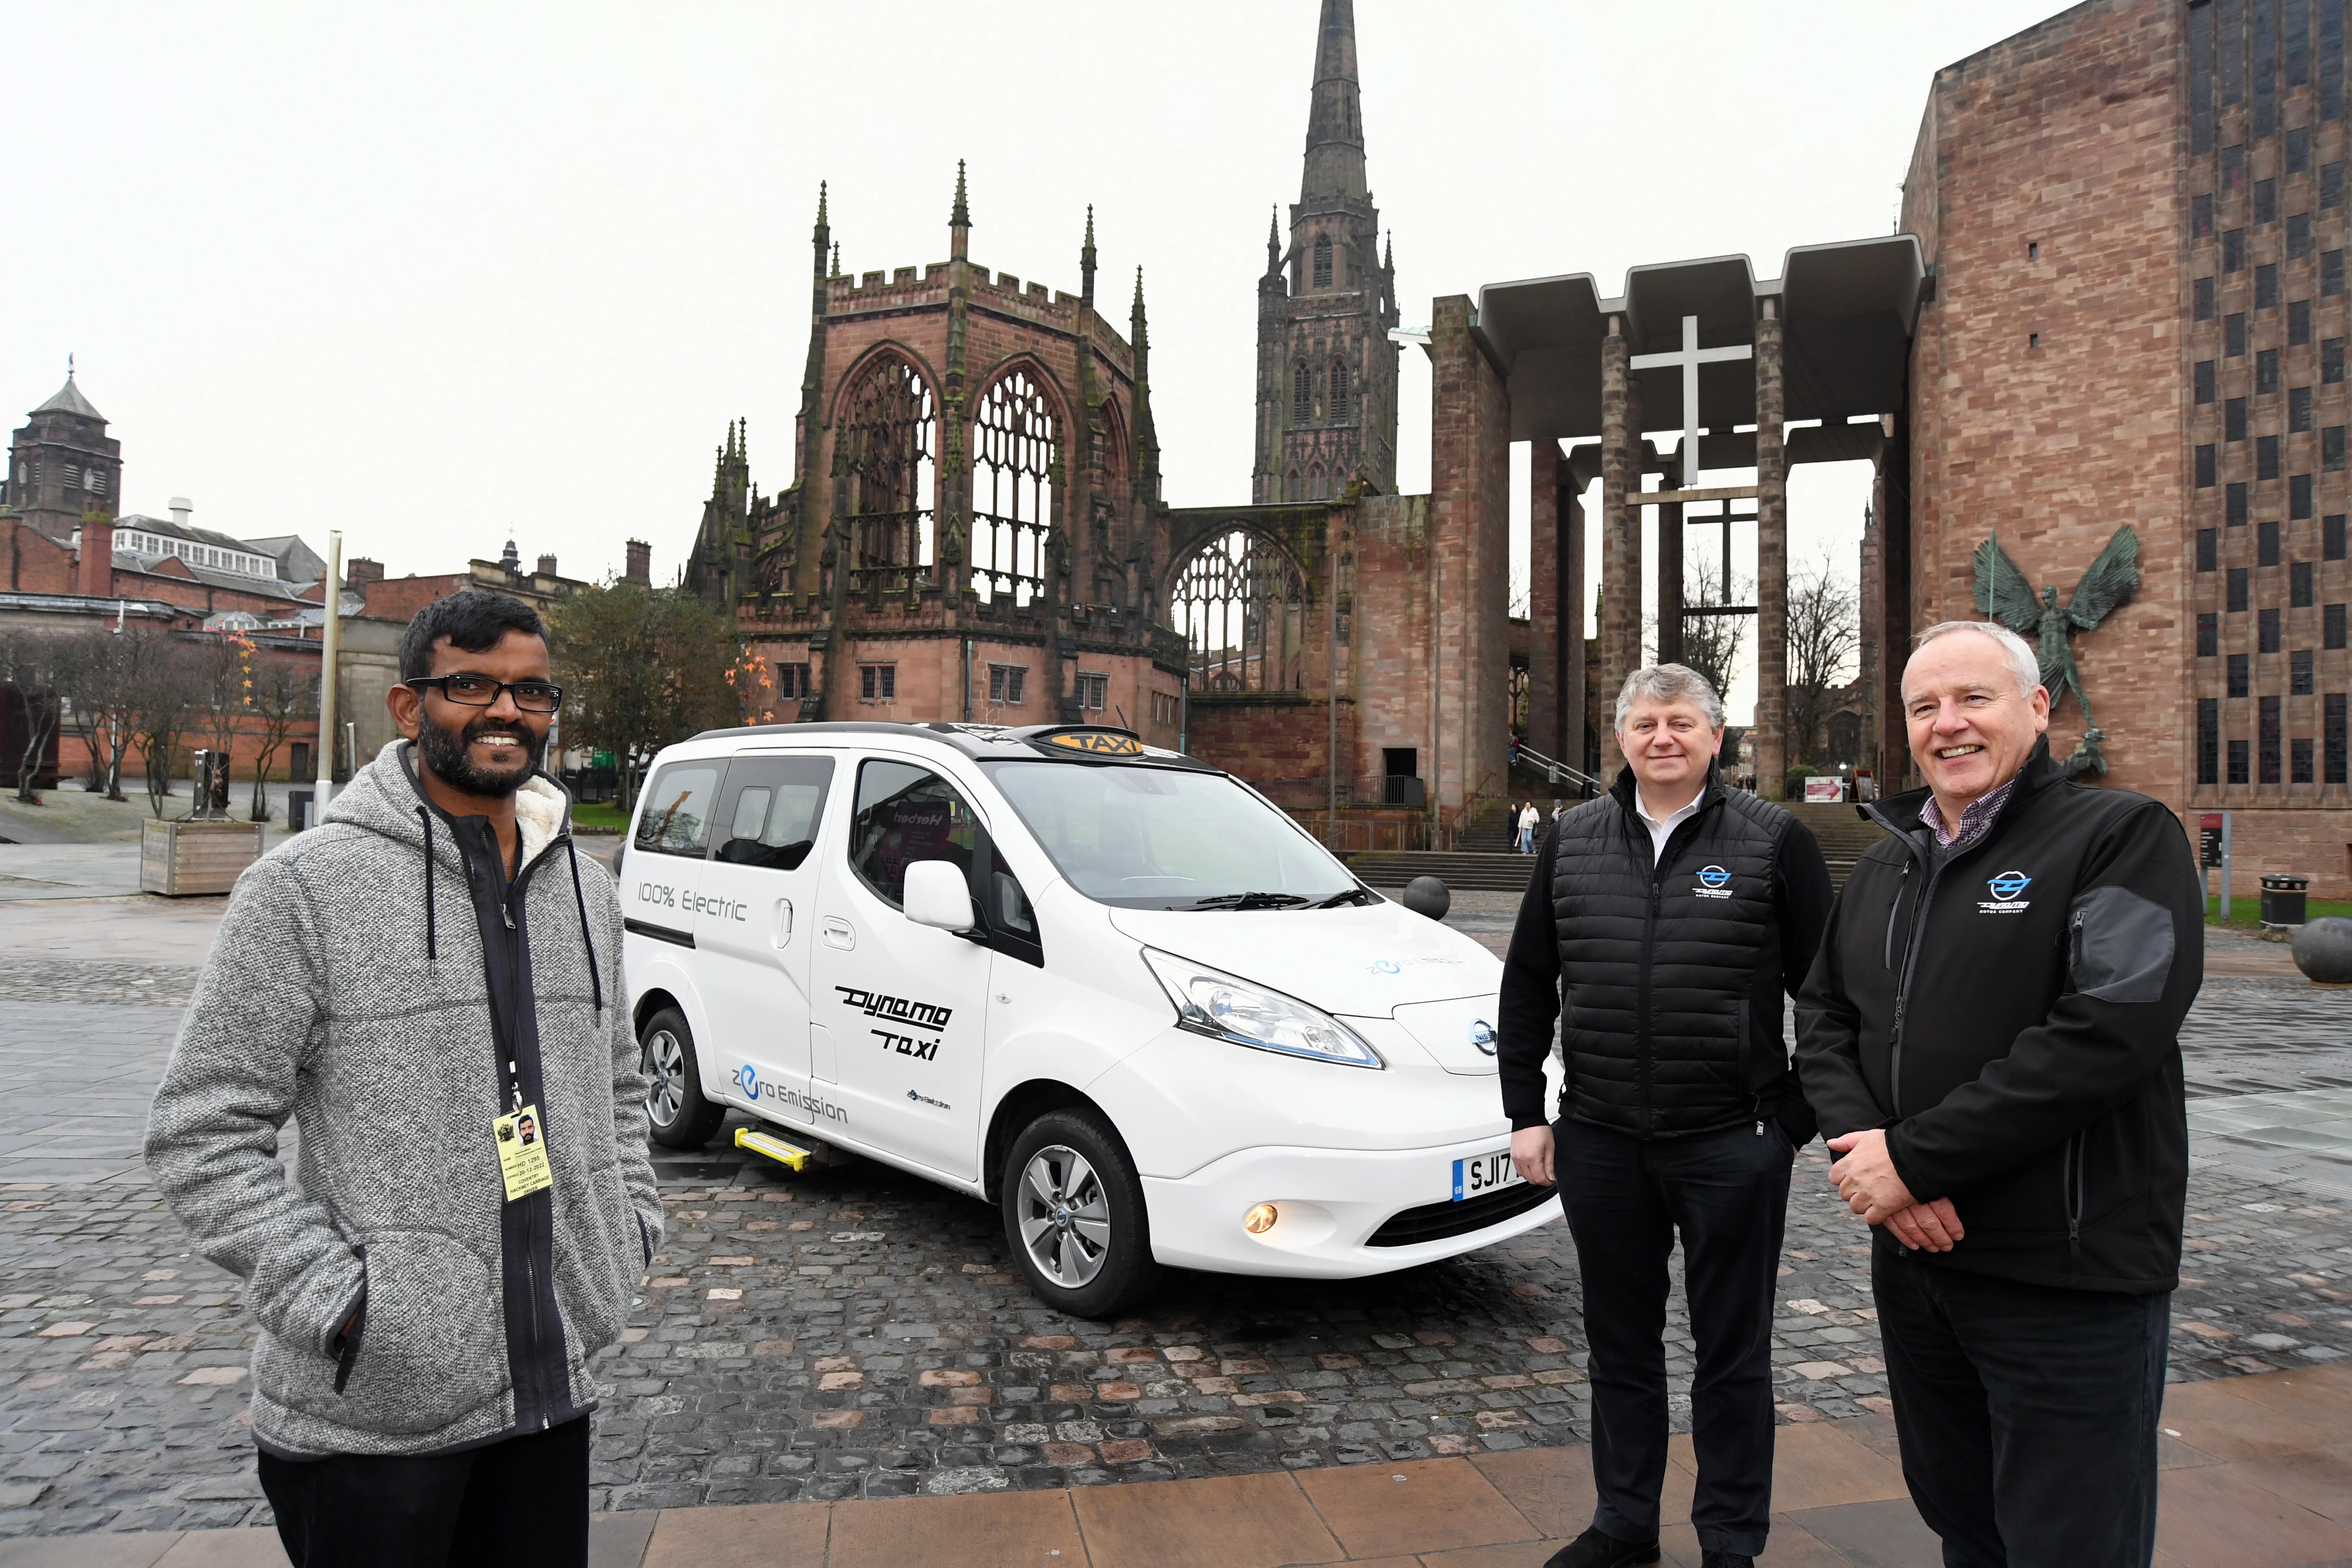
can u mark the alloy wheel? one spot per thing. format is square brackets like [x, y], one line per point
[1064, 1217]
[666, 1061]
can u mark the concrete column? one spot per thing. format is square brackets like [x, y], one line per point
[1572, 716]
[1892, 517]
[1670, 584]
[1621, 538]
[1545, 477]
[1772, 562]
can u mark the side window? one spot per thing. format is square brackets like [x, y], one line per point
[907, 813]
[770, 810]
[675, 817]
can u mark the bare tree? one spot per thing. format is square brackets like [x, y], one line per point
[1711, 644]
[223, 665]
[98, 673]
[284, 694]
[1824, 634]
[28, 664]
[166, 697]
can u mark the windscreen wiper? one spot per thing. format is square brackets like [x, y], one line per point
[1352, 895]
[1250, 902]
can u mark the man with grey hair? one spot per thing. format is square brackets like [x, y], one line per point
[1669, 918]
[1991, 1037]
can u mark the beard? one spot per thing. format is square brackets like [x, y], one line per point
[447, 754]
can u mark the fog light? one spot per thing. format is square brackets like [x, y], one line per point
[1260, 1218]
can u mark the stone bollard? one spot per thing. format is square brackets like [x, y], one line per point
[2323, 950]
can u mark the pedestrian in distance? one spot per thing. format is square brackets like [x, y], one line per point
[1529, 820]
[1664, 923]
[1990, 1037]
[429, 984]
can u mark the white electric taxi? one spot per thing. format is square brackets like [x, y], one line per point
[1106, 987]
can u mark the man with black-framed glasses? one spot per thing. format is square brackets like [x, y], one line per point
[429, 983]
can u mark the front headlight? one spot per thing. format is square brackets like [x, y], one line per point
[1210, 1002]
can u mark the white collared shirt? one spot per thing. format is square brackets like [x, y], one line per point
[1660, 831]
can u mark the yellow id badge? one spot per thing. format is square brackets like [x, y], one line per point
[522, 1153]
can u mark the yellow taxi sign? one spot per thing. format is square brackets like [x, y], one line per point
[1096, 743]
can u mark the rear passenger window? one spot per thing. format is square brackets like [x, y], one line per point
[675, 817]
[907, 813]
[771, 808]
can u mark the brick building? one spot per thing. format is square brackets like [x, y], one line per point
[62, 465]
[2136, 215]
[976, 531]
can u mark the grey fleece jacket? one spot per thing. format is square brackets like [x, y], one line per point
[320, 1002]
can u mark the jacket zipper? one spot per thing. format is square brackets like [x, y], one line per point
[1911, 944]
[1887, 958]
[2074, 1178]
[530, 1224]
[1645, 1046]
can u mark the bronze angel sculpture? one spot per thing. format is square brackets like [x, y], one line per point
[2006, 595]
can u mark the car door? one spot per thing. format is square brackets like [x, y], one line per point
[756, 916]
[902, 1004]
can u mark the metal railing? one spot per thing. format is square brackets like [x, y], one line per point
[1559, 773]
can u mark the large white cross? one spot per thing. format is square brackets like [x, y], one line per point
[1690, 356]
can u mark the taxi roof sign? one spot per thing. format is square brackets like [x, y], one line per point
[1094, 742]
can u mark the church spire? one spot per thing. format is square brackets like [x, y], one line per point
[824, 229]
[959, 220]
[1087, 261]
[1335, 119]
[1274, 241]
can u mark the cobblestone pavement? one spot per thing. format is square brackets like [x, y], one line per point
[858, 1332]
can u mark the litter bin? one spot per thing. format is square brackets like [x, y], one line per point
[298, 809]
[2284, 900]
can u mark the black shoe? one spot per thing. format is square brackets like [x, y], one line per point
[1726, 1560]
[1597, 1548]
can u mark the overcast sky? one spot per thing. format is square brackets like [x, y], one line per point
[440, 276]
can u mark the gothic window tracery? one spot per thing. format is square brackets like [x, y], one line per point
[890, 443]
[1242, 606]
[1314, 490]
[1015, 443]
[1323, 262]
[1290, 486]
[1339, 391]
[1302, 394]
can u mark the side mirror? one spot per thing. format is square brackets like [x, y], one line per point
[938, 896]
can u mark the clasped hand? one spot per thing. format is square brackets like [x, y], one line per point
[1867, 1179]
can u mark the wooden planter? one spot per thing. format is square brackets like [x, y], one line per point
[177, 859]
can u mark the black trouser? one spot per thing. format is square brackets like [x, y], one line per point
[1727, 1193]
[2028, 1416]
[519, 1503]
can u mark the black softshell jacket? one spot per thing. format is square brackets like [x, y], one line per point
[1672, 968]
[2012, 1018]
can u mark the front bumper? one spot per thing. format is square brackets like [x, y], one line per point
[1331, 1203]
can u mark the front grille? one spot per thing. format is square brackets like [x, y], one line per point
[1435, 1221]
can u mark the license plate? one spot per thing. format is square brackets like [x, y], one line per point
[1483, 1174]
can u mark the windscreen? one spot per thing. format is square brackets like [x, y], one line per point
[1155, 838]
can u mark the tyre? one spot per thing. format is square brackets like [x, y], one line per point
[1074, 1218]
[681, 1117]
